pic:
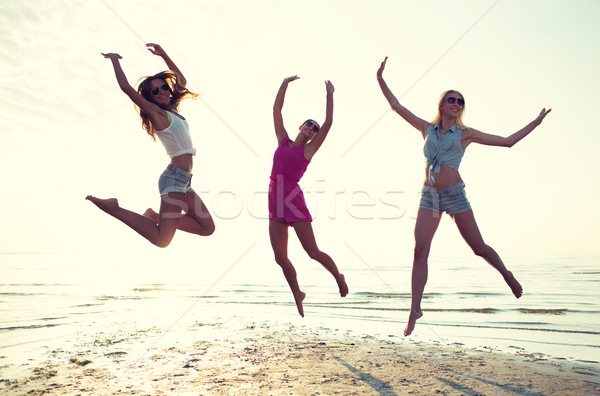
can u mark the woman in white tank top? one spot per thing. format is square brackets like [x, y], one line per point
[157, 100]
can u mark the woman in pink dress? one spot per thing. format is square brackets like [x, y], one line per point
[286, 200]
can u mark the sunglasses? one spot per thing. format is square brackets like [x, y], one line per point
[312, 125]
[451, 100]
[164, 87]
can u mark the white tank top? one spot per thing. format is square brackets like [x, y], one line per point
[176, 137]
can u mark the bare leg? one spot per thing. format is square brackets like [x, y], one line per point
[197, 219]
[279, 237]
[152, 215]
[159, 234]
[306, 236]
[470, 232]
[427, 224]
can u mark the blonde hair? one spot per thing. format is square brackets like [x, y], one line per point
[438, 117]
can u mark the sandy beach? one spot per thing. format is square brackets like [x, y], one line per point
[222, 358]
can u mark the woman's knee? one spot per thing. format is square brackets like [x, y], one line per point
[421, 251]
[480, 249]
[209, 229]
[281, 260]
[314, 253]
[163, 242]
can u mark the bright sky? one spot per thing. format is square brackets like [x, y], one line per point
[67, 130]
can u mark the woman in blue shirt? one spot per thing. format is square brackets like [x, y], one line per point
[446, 139]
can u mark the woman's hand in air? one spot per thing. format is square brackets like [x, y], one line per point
[112, 55]
[381, 68]
[290, 79]
[542, 115]
[329, 87]
[156, 49]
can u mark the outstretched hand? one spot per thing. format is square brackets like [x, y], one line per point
[290, 79]
[542, 115]
[381, 68]
[112, 55]
[156, 49]
[329, 87]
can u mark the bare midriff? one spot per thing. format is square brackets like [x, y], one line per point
[446, 178]
[184, 162]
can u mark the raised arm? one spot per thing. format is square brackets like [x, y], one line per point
[475, 136]
[280, 131]
[315, 144]
[159, 51]
[119, 73]
[148, 107]
[412, 119]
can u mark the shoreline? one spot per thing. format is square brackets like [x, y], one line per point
[237, 357]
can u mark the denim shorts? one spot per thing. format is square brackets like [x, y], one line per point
[174, 180]
[452, 200]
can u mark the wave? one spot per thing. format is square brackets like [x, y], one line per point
[28, 327]
[103, 298]
[149, 289]
[542, 311]
[521, 326]
[371, 305]
[24, 294]
[426, 295]
[87, 305]
[355, 305]
[477, 326]
[18, 294]
[406, 309]
[384, 295]
[35, 284]
[478, 294]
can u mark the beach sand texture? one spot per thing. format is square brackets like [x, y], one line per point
[257, 359]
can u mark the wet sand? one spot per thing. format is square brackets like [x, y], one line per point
[265, 359]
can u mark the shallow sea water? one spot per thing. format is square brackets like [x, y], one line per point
[52, 302]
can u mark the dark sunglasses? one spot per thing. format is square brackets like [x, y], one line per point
[164, 87]
[451, 100]
[312, 125]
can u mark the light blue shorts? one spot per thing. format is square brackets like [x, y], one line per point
[174, 180]
[452, 200]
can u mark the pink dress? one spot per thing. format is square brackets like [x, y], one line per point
[286, 200]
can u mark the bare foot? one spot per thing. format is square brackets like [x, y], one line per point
[299, 298]
[151, 214]
[514, 285]
[412, 320]
[341, 281]
[104, 204]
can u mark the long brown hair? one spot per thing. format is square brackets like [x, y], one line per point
[438, 117]
[178, 93]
